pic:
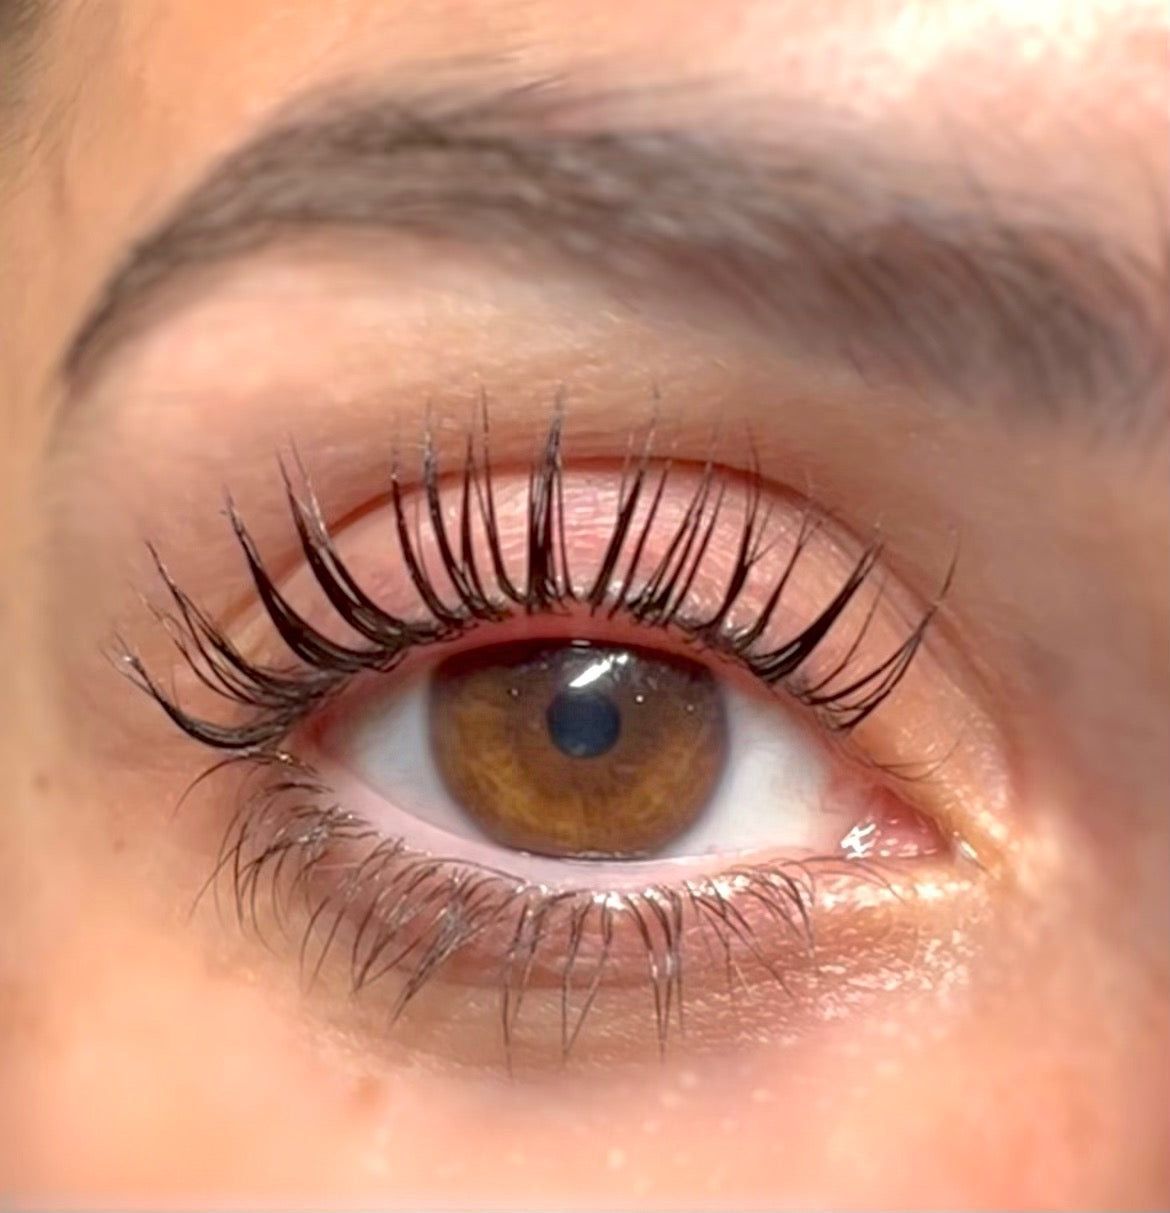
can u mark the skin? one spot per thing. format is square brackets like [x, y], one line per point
[151, 1056]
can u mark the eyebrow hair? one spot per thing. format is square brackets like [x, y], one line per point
[20, 22]
[828, 241]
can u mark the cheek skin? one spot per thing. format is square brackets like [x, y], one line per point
[264, 1101]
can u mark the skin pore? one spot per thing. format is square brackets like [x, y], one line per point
[968, 200]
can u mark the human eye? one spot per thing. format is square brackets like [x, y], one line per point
[578, 760]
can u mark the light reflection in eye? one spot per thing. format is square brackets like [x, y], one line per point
[598, 669]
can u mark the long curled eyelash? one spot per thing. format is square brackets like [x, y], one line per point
[277, 698]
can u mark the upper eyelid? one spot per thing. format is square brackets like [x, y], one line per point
[281, 697]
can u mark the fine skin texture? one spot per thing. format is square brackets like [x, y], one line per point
[909, 259]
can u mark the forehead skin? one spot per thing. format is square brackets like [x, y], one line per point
[129, 103]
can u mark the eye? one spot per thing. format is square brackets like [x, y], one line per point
[586, 750]
[566, 734]
[578, 750]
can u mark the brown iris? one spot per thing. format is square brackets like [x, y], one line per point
[575, 748]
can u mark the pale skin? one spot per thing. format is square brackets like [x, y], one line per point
[153, 1055]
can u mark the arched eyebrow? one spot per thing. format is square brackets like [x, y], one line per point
[836, 245]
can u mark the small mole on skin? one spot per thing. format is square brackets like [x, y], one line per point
[367, 1094]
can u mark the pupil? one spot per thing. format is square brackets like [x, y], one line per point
[583, 724]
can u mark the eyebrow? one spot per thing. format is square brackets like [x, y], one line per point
[830, 242]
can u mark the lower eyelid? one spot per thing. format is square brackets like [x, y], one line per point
[429, 837]
[774, 946]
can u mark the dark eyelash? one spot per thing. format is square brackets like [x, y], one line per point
[281, 834]
[278, 698]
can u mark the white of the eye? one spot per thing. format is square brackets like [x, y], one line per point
[772, 796]
[773, 791]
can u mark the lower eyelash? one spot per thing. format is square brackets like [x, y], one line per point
[277, 699]
[423, 912]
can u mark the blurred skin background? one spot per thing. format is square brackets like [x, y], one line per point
[962, 338]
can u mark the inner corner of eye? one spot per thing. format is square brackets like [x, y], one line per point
[584, 750]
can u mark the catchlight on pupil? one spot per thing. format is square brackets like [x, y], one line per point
[578, 749]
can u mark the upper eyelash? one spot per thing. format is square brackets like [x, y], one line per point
[278, 698]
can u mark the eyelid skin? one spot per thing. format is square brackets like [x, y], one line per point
[727, 565]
